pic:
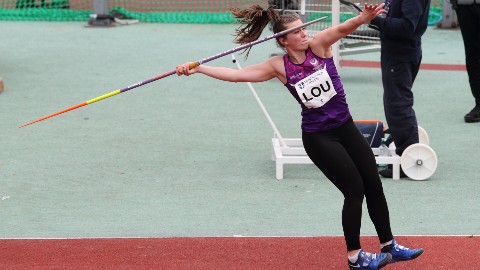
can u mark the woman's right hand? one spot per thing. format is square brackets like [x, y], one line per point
[187, 69]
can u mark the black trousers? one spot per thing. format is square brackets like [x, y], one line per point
[347, 160]
[397, 79]
[469, 20]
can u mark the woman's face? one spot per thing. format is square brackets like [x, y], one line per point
[298, 39]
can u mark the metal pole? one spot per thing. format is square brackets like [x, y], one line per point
[100, 15]
[449, 16]
[336, 21]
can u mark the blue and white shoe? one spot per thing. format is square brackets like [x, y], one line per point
[367, 260]
[401, 253]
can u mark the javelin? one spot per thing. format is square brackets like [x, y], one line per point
[169, 73]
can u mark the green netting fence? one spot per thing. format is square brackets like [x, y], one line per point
[166, 11]
[159, 11]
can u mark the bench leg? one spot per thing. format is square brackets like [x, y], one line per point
[279, 169]
[396, 171]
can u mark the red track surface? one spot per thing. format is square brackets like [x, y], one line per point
[302, 253]
[373, 64]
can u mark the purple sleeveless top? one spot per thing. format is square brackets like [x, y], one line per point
[332, 114]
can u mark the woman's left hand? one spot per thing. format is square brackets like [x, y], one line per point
[370, 11]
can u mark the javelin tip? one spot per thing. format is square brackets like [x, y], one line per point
[55, 114]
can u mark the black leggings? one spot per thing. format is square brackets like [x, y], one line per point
[347, 160]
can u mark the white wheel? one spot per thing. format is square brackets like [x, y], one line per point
[423, 136]
[419, 161]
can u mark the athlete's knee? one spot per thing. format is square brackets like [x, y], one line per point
[354, 198]
[375, 192]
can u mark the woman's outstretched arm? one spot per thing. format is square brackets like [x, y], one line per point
[324, 39]
[254, 73]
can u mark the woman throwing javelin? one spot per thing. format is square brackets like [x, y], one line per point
[330, 137]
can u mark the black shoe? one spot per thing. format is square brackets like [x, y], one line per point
[388, 173]
[474, 115]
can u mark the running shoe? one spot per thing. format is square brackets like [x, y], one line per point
[401, 253]
[367, 260]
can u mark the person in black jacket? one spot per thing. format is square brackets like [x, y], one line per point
[468, 15]
[401, 28]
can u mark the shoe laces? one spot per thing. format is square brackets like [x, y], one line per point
[367, 257]
[400, 247]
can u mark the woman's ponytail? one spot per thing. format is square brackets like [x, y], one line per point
[253, 19]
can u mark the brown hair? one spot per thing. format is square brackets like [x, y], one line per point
[255, 18]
